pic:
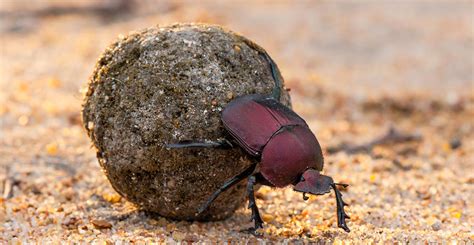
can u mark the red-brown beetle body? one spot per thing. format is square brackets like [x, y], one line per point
[265, 128]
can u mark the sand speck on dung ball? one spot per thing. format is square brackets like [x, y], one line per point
[163, 85]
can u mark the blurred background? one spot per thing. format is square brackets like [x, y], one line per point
[354, 68]
[359, 47]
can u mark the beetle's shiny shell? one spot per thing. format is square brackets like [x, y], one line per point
[264, 127]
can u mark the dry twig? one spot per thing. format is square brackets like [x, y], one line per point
[391, 137]
[8, 183]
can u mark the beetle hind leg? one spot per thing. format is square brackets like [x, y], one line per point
[229, 183]
[253, 204]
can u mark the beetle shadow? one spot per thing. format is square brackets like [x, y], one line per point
[234, 229]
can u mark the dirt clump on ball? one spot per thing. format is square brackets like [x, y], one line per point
[163, 85]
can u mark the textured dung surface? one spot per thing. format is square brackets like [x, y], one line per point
[163, 85]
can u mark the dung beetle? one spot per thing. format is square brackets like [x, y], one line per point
[283, 146]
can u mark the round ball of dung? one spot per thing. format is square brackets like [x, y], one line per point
[164, 85]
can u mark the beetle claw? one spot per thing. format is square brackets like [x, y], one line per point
[258, 222]
[344, 227]
[253, 231]
[201, 209]
[252, 204]
[343, 185]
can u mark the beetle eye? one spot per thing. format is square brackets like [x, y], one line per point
[299, 180]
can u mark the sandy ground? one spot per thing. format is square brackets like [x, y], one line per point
[355, 69]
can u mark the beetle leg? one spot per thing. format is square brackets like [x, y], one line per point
[341, 215]
[229, 183]
[201, 144]
[276, 75]
[252, 204]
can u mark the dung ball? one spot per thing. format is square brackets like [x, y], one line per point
[163, 85]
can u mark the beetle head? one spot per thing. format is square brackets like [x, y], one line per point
[314, 183]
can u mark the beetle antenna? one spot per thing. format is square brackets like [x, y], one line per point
[341, 214]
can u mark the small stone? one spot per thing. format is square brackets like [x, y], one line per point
[52, 149]
[237, 48]
[68, 194]
[178, 236]
[70, 222]
[112, 198]
[230, 95]
[161, 222]
[436, 226]
[101, 224]
[90, 125]
[455, 143]
[170, 227]
[268, 218]
[424, 193]
[23, 120]
[190, 238]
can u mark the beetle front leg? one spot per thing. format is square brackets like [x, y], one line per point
[253, 204]
[341, 214]
[223, 143]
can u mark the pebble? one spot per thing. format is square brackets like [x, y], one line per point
[436, 226]
[101, 224]
[178, 235]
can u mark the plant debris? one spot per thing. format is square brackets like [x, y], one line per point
[393, 136]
